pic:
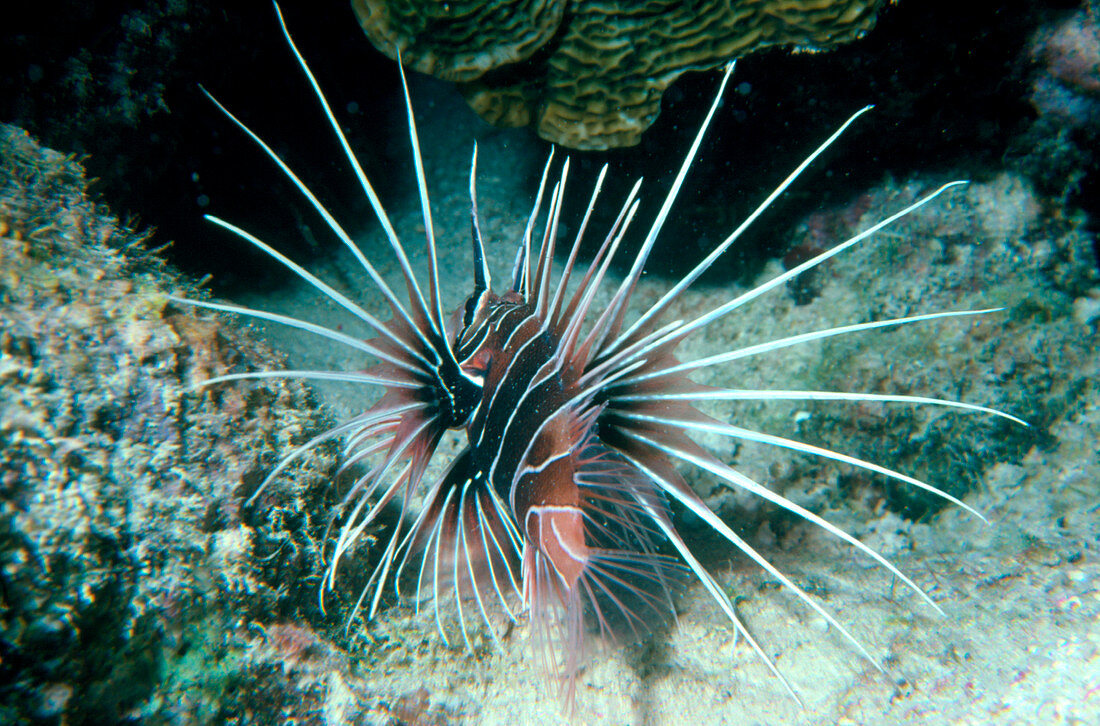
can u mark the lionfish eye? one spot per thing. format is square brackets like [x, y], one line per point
[476, 367]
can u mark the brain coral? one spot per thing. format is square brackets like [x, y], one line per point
[589, 74]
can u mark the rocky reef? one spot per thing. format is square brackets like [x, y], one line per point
[132, 582]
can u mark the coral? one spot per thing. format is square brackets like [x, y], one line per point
[127, 566]
[449, 40]
[597, 82]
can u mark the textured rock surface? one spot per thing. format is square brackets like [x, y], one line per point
[597, 68]
[129, 572]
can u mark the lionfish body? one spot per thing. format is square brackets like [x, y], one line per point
[576, 424]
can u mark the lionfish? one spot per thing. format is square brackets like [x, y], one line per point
[576, 422]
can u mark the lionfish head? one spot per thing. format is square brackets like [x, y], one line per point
[577, 419]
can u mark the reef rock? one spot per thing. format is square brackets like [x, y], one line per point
[132, 579]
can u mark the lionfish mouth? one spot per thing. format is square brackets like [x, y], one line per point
[577, 422]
